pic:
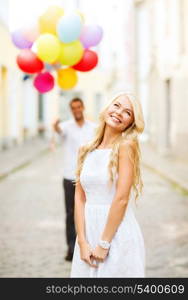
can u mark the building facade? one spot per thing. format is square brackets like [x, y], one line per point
[161, 46]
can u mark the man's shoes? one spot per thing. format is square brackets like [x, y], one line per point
[69, 256]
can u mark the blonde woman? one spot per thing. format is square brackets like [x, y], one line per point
[109, 241]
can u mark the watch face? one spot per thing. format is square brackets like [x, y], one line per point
[105, 244]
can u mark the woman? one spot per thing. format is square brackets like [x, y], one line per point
[109, 242]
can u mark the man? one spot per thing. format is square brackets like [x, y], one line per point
[75, 132]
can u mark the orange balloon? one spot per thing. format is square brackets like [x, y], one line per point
[67, 78]
[48, 21]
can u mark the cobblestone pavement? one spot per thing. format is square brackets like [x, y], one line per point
[163, 215]
[32, 232]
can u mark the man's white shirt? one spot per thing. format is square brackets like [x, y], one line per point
[73, 137]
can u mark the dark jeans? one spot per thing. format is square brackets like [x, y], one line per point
[69, 190]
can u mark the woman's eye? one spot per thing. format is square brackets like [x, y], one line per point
[115, 104]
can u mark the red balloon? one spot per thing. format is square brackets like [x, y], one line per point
[44, 82]
[88, 61]
[28, 62]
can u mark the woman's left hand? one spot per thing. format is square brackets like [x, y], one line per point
[99, 254]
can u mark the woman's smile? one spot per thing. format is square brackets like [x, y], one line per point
[115, 119]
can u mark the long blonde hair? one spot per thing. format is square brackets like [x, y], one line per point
[129, 134]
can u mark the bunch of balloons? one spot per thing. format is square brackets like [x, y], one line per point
[57, 43]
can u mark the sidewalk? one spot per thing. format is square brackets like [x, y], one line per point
[19, 156]
[170, 168]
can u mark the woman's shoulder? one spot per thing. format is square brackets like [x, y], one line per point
[127, 144]
[127, 147]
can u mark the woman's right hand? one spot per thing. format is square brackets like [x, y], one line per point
[86, 254]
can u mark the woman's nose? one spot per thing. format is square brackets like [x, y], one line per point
[119, 111]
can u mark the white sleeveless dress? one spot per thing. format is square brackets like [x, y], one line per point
[126, 257]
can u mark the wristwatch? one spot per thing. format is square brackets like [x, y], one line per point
[104, 244]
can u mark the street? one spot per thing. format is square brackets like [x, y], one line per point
[32, 229]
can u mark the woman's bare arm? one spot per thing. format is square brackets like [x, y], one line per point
[79, 213]
[120, 201]
[79, 218]
[85, 248]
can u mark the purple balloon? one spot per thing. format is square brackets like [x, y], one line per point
[19, 40]
[91, 35]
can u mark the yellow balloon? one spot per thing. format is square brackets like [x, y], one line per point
[67, 78]
[48, 21]
[78, 12]
[70, 53]
[48, 47]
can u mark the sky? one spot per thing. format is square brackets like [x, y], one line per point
[22, 12]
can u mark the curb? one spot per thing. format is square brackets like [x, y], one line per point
[180, 187]
[24, 164]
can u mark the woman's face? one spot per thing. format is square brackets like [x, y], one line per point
[120, 114]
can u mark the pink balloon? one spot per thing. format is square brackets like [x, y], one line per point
[44, 82]
[91, 35]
